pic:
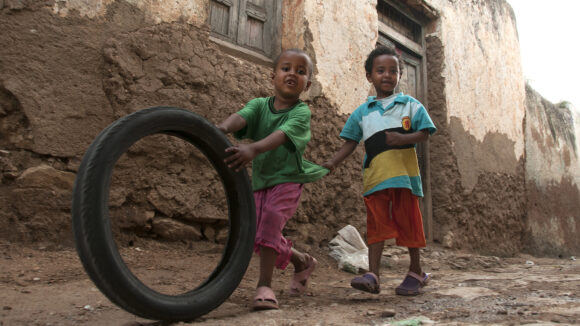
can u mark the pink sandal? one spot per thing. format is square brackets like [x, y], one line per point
[265, 299]
[299, 281]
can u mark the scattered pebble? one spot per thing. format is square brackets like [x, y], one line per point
[388, 313]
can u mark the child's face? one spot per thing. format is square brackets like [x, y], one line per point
[290, 77]
[385, 75]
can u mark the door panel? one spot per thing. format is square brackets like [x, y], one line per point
[223, 17]
[256, 29]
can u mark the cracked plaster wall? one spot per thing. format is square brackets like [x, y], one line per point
[552, 178]
[484, 80]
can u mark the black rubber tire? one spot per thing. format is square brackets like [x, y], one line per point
[92, 228]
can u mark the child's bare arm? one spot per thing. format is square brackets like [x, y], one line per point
[397, 139]
[243, 154]
[232, 123]
[347, 148]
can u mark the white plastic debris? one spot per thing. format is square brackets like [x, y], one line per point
[350, 250]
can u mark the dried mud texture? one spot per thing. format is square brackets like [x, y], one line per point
[556, 215]
[473, 210]
[63, 80]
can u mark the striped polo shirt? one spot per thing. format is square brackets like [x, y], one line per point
[388, 166]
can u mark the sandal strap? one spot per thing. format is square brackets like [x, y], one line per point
[373, 276]
[265, 293]
[416, 276]
[304, 274]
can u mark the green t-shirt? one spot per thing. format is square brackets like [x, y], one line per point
[284, 163]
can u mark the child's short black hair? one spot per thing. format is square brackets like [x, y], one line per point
[382, 50]
[310, 65]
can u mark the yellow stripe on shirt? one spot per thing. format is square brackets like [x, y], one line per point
[390, 164]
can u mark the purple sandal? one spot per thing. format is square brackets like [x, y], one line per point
[412, 283]
[369, 282]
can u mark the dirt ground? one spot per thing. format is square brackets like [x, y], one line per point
[48, 286]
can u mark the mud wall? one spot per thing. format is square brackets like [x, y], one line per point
[69, 70]
[476, 98]
[552, 177]
[192, 12]
[477, 156]
[338, 47]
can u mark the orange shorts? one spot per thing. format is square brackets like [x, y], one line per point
[395, 213]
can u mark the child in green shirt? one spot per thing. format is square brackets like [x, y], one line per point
[280, 129]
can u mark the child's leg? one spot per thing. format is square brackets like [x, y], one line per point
[299, 260]
[407, 216]
[415, 278]
[379, 228]
[369, 282]
[375, 253]
[274, 207]
[268, 257]
[267, 260]
[265, 297]
[304, 265]
[415, 258]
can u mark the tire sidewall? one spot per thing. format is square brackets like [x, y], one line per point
[93, 231]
